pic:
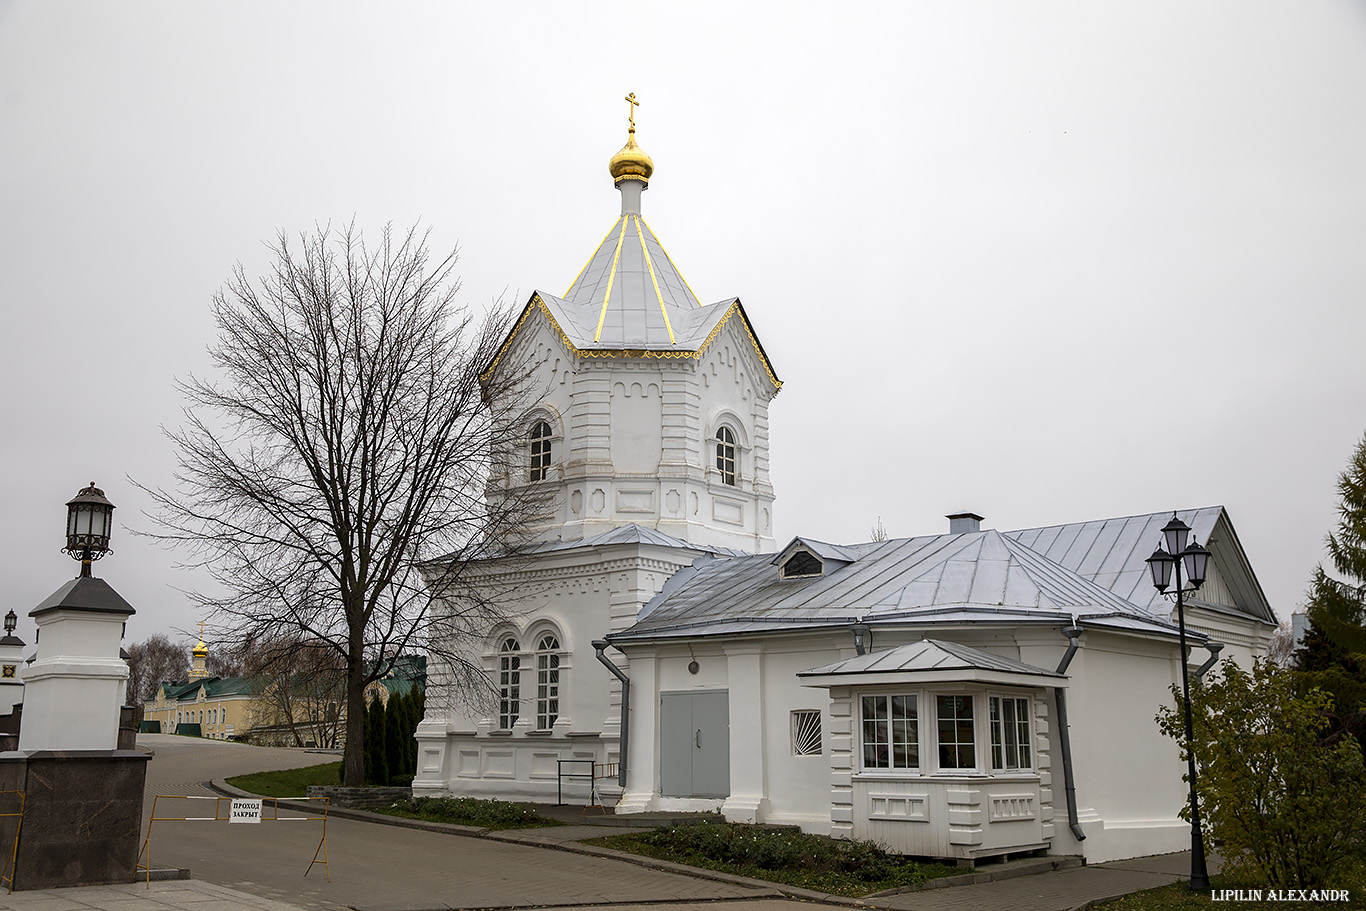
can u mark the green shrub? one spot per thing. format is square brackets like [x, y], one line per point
[839, 866]
[470, 811]
[1286, 804]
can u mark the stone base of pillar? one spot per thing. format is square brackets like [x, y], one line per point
[82, 815]
[747, 808]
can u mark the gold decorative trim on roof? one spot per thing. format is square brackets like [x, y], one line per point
[654, 280]
[537, 304]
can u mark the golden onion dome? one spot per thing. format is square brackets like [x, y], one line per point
[631, 163]
[201, 650]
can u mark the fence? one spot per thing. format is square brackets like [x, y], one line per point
[240, 810]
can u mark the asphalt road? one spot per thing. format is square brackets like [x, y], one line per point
[378, 868]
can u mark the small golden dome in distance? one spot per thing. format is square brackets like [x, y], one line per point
[201, 650]
[631, 163]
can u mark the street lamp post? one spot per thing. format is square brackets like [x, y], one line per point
[1161, 564]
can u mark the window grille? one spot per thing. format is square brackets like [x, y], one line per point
[540, 451]
[806, 732]
[547, 682]
[509, 683]
[725, 455]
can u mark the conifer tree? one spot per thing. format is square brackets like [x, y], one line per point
[1333, 656]
[393, 739]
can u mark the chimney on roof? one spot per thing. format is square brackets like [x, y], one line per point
[962, 523]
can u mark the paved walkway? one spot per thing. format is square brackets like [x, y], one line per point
[1060, 891]
[261, 868]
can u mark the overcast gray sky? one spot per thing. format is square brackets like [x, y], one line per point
[1044, 261]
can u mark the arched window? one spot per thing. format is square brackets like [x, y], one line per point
[509, 683]
[540, 451]
[725, 454]
[547, 682]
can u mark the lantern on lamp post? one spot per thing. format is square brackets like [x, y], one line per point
[89, 520]
[1163, 564]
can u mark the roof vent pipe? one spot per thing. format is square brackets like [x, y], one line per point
[962, 523]
[598, 646]
[1073, 634]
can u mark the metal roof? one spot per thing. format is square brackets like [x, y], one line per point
[1111, 553]
[632, 291]
[630, 534]
[976, 577]
[927, 655]
[631, 298]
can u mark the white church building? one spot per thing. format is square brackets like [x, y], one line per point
[908, 691]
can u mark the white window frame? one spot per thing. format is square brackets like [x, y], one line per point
[509, 681]
[728, 455]
[975, 743]
[1022, 708]
[913, 765]
[540, 450]
[550, 668]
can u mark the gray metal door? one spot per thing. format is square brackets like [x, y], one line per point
[694, 744]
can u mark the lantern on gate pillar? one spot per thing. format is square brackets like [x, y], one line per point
[89, 520]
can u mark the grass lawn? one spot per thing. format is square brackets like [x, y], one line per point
[470, 811]
[835, 866]
[288, 782]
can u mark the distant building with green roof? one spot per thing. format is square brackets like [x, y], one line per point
[265, 711]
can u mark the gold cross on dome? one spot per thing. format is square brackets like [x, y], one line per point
[634, 104]
[201, 630]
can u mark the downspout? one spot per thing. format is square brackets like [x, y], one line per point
[598, 646]
[861, 635]
[1214, 649]
[1073, 634]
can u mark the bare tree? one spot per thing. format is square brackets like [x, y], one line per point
[878, 532]
[301, 689]
[347, 440]
[153, 660]
[1281, 649]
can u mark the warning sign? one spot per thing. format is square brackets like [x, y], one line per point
[245, 809]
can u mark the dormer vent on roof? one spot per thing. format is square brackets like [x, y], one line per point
[802, 564]
[962, 523]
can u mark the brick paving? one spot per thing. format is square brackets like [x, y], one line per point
[385, 868]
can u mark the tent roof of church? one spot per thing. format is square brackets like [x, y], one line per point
[948, 579]
[631, 298]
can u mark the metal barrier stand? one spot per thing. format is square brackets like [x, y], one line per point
[601, 770]
[219, 817]
[7, 876]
